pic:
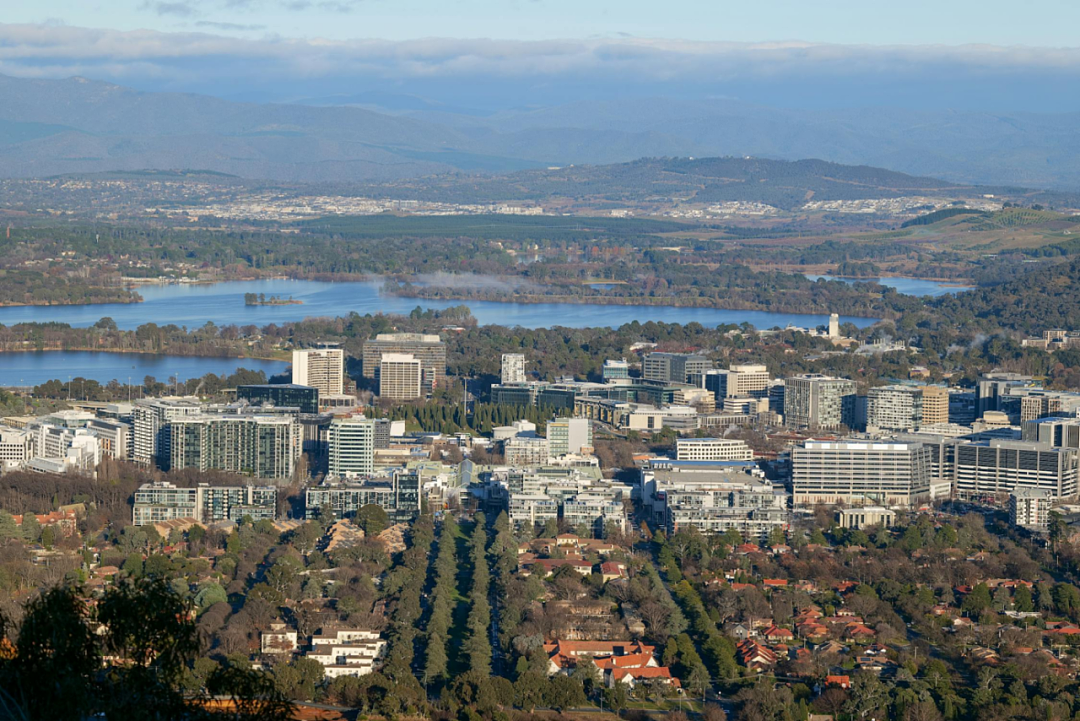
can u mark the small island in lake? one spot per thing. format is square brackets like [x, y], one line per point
[263, 299]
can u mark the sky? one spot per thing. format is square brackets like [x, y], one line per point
[486, 55]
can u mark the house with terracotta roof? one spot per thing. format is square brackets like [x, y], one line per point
[756, 656]
[632, 676]
[547, 566]
[774, 582]
[610, 570]
[858, 631]
[776, 634]
[843, 682]
[563, 655]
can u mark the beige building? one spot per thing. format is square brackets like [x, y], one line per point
[322, 368]
[400, 377]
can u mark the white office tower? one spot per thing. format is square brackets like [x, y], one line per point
[513, 368]
[351, 443]
[834, 325]
[400, 377]
[322, 368]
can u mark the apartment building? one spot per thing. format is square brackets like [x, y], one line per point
[894, 408]
[351, 446]
[150, 421]
[428, 349]
[753, 507]
[397, 493]
[161, 501]
[569, 436]
[513, 368]
[712, 449]
[859, 473]
[263, 446]
[819, 401]
[320, 368]
[526, 451]
[1030, 508]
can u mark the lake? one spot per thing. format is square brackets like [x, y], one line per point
[223, 304]
[34, 368]
[907, 286]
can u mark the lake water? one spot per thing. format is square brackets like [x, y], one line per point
[223, 304]
[34, 368]
[907, 286]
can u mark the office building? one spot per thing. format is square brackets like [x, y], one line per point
[674, 367]
[615, 370]
[283, 395]
[989, 470]
[818, 401]
[712, 449]
[150, 420]
[428, 349]
[935, 405]
[738, 381]
[115, 438]
[834, 325]
[513, 368]
[992, 391]
[400, 377]
[397, 493]
[861, 473]
[1053, 431]
[595, 513]
[157, 502]
[321, 368]
[1030, 508]
[263, 446]
[569, 436]
[865, 517]
[351, 445]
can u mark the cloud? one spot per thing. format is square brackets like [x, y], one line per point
[178, 9]
[197, 60]
[228, 27]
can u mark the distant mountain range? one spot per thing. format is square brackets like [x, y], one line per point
[50, 127]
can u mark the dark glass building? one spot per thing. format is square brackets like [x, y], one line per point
[285, 395]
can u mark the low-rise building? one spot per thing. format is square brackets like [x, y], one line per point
[712, 449]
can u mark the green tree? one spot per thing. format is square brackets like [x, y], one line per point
[31, 529]
[373, 519]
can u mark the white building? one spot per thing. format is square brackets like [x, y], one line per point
[400, 377]
[322, 368]
[526, 451]
[712, 449]
[150, 420]
[513, 368]
[351, 443]
[861, 473]
[570, 436]
[1030, 508]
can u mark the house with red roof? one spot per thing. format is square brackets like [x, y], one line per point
[777, 634]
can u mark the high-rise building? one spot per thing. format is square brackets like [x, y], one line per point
[513, 368]
[400, 377]
[321, 368]
[894, 408]
[161, 501]
[834, 325]
[739, 381]
[570, 436]
[674, 367]
[264, 446]
[818, 401]
[426, 348]
[860, 473]
[150, 420]
[991, 469]
[935, 405]
[351, 444]
[284, 395]
[992, 388]
[1030, 508]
